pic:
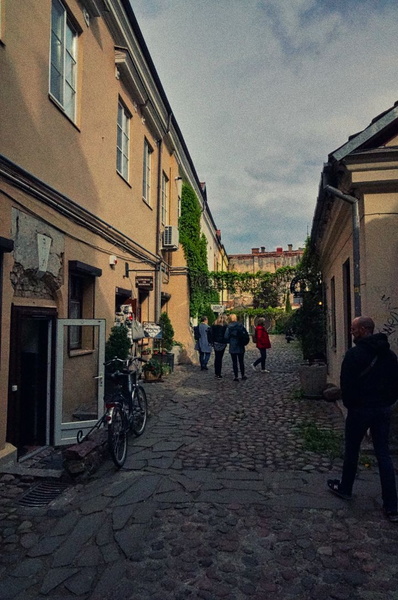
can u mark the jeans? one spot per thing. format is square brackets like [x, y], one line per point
[218, 355]
[235, 359]
[358, 421]
[263, 356]
[204, 359]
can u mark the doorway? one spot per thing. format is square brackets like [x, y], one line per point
[30, 400]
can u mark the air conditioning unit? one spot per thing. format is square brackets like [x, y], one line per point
[170, 238]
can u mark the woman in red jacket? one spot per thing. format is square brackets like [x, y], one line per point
[262, 343]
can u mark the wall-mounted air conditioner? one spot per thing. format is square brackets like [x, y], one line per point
[170, 238]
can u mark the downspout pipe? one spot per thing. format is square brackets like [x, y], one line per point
[158, 274]
[355, 242]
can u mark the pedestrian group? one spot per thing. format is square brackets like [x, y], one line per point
[228, 331]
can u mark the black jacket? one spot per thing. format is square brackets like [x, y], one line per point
[364, 385]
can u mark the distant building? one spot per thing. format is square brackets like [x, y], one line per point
[261, 260]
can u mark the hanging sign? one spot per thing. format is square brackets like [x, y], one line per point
[144, 283]
[152, 330]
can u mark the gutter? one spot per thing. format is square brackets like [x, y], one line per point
[355, 242]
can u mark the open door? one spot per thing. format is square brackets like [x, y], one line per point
[79, 384]
[31, 377]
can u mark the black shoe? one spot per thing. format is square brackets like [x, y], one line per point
[236, 378]
[244, 378]
[391, 515]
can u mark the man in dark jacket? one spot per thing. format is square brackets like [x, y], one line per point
[369, 386]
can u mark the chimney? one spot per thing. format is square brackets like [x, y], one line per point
[255, 250]
[279, 250]
[263, 249]
[290, 247]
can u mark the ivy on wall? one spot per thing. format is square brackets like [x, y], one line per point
[202, 292]
[266, 288]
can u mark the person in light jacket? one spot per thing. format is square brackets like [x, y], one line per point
[203, 344]
[233, 336]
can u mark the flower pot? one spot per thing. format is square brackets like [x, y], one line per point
[148, 376]
[313, 379]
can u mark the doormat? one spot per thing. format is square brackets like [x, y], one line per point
[42, 494]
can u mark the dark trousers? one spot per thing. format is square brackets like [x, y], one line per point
[235, 359]
[218, 355]
[263, 356]
[358, 421]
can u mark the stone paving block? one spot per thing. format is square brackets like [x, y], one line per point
[82, 582]
[144, 487]
[55, 577]
[46, 546]
[130, 539]
[84, 530]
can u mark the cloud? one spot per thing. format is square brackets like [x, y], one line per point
[263, 91]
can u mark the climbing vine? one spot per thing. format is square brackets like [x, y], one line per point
[202, 292]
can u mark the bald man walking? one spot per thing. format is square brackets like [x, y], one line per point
[369, 386]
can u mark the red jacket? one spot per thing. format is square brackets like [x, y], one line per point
[262, 337]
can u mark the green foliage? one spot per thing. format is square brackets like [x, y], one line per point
[167, 331]
[308, 322]
[321, 441]
[194, 243]
[118, 344]
[153, 366]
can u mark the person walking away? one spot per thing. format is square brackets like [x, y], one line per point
[204, 345]
[218, 330]
[369, 386]
[262, 343]
[237, 337]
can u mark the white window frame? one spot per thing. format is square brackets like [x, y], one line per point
[63, 59]
[123, 141]
[146, 172]
[165, 198]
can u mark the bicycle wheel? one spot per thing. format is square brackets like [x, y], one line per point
[117, 437]
[139, 409]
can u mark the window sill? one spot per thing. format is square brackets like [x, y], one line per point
[124, 179]
[73, 353]
[147, 203]
[61, 110]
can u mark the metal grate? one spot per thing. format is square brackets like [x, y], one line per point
[43, 493]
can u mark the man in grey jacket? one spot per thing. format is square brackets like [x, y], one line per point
[369, 386]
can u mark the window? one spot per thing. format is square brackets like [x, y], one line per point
[347, 302]
[165, 182]
[333, 312]
[81, 304]
[146, 173]
[63, 59]
[123, 141]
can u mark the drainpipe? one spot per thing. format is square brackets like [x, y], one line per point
[158, 272]
[355, 243]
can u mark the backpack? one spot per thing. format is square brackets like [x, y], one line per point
[196, 333]
[243, 336]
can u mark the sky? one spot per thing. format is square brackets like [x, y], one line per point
[263, 91]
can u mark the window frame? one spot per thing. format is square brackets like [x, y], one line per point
[123, 140]
[66, 64]
[147, 172]
[164, 198]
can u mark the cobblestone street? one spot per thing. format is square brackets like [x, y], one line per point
[218, 499]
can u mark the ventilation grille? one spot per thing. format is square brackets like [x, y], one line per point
[43, 493]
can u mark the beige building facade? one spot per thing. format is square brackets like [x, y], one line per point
[355, 231]
[91, 167]
[261, 261]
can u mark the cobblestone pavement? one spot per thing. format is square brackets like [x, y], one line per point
[217, 500]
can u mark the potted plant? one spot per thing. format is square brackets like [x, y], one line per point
[152, 370]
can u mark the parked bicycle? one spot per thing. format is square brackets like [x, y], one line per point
[126, 407]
